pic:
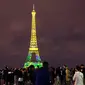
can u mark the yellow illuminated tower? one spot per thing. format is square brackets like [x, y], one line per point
[33, 49]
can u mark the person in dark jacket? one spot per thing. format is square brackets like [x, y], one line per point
[10, 77]
[32, 75]
[43, 75]
[20, 77]
[6, 75]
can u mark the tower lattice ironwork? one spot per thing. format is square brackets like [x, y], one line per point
[33, 49]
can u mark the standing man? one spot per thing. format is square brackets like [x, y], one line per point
[78, 77]
[43, 75]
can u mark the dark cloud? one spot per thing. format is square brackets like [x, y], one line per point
[60, 31]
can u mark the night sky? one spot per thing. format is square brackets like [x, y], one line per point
[60, 31]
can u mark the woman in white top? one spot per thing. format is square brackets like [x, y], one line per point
[78, 77]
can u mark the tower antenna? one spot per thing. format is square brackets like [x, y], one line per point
[33, 7]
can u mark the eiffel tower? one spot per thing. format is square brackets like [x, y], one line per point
[33, 51]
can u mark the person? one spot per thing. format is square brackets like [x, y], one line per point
[5, 75]
[64, 74]
[78, 77]
[52, 75]
[43, 75]
[67, 76]
[32, 75]
[20, 77]
[83, 70]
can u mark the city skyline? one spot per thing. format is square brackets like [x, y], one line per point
[60, 31]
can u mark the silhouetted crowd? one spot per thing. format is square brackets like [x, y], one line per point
[43, 76]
